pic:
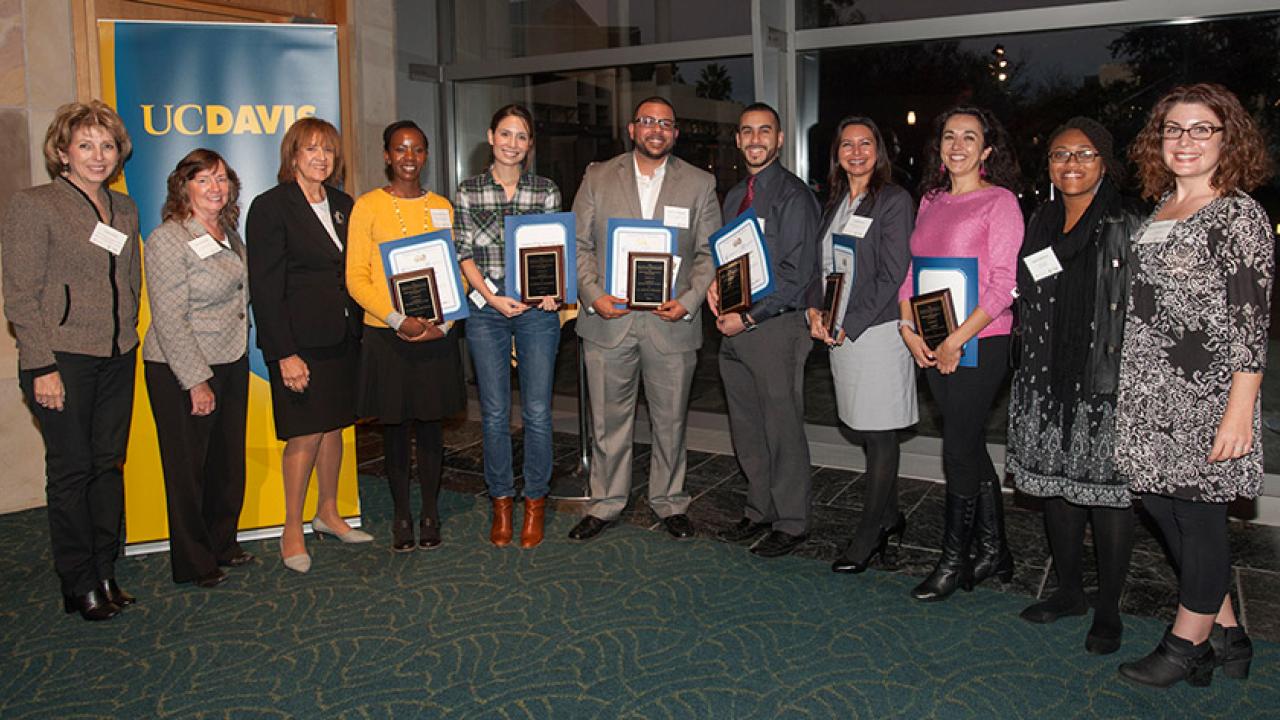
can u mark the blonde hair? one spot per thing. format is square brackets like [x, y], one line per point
[72, 117]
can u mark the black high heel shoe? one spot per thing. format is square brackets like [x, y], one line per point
[848, 565]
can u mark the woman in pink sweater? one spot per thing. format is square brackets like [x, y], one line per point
[968, 211]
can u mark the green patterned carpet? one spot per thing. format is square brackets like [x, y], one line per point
[632, 625]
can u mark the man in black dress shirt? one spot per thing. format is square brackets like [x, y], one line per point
[764, 348]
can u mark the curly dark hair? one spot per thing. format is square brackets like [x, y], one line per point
[177, 206]
[881, 175]
[1243, 163]
[1001, 165]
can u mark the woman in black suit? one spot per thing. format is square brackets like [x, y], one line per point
[308, 327]
[875, 381]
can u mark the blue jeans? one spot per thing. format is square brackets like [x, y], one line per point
[537, 339]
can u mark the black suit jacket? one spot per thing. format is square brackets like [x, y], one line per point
[297, 276]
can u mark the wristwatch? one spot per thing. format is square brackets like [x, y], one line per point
[747, 322]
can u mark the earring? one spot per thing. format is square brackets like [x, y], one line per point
[982, 170]
[942, 168]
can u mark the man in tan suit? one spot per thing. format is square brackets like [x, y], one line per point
[622, 346]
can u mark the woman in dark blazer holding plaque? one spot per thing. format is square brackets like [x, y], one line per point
[483, 203]
[410, 369]
[196, 364]
[875, 380]
[967, 210]
[308, 327]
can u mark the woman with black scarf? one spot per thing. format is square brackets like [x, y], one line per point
[1073, 285]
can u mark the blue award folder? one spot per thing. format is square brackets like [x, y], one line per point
[743, 236]
[430, 250]
[625, 236]
[960, 274]
[541, 230]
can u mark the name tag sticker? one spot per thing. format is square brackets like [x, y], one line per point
[440, 218]
[1043, 264]
[857, 226]
[204, 246]
[676, 217]
[1157, 232]
[108, 238]
[478, 298]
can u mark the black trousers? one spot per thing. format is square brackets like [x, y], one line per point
[84, 448]
[1196, 534]
[203, 461]
[965, 398]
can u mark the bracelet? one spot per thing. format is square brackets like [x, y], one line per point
[747, 322]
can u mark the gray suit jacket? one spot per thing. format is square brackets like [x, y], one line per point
[198, 307]
[609, 190]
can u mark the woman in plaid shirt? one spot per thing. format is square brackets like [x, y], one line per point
[483, 201]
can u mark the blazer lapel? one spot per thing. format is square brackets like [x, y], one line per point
[670, 181]
[318, 231]
[339, 217]
[627, 177]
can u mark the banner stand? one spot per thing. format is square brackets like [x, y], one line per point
[575, 484]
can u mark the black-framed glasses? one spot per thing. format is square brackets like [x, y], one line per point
[1202, 131]
[650, 121]
[1084, 157]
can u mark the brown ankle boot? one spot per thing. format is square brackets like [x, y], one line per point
[531, 530]
[500, 533]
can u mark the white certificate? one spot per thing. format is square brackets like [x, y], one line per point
[745, 241]
[941, 279]
[435, 255]
[630, 240]
[537, 235]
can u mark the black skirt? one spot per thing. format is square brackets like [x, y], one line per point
[402, 381]
[328, 403]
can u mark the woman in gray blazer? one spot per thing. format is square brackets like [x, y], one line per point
[196, 366]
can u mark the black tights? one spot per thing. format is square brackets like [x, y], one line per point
[880, 498]
[395, 448]
[1196, 535]
[1112, 542]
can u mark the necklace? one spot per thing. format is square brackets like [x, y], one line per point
[404, 229]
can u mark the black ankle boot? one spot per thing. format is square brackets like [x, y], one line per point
[1173, 660]
[953, 569]
[993, 556]
[93, 606]
[1232, 650]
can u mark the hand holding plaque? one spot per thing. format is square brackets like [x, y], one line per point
[734, 282]
[415, 294]
[934, 316]
[648, 280]
[541, 273]
[832, 292]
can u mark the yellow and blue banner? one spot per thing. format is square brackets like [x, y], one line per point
[235, 89]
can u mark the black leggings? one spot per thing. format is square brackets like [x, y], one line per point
[965, 398]
[395, 448]
[1196, 533]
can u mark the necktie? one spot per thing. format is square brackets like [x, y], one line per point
[751, 195]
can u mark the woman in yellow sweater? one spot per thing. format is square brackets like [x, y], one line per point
[410, 375]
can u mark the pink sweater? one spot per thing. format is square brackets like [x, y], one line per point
[986, 224]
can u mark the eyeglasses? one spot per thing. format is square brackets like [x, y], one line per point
[648, 121]
[1195, 132]
[1084, 157]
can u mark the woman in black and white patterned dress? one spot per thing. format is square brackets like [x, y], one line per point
[1188, 411]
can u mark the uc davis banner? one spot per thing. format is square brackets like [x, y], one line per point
[236, 89]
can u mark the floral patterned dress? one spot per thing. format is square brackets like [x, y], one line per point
[1198, 312]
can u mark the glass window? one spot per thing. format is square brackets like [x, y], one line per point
[812, 14]
[498, 29]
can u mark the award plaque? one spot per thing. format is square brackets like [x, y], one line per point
[734, 281]
[415, 294]
[541, 273]
[934, 316]
[832, 291]
[648, 280]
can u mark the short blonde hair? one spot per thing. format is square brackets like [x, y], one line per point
[72, 117]
[299, 133]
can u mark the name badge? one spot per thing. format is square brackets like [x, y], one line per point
[440, 218]
[857, 226]
[1043, 264]
[478, 298]
[204, 246]
[1157, 232]
[676, 217]
[108, 238]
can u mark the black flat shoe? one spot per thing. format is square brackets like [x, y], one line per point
[240, 559]
[1100, 644]
[92, 606]
[211, 579]
[777, 544]
[588, 527]
[1053, 608]
[744, 530]
[428, 534]
[678, 526]
[113, 593]
[402, 536]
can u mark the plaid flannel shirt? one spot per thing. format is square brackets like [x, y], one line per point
[479, 209]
